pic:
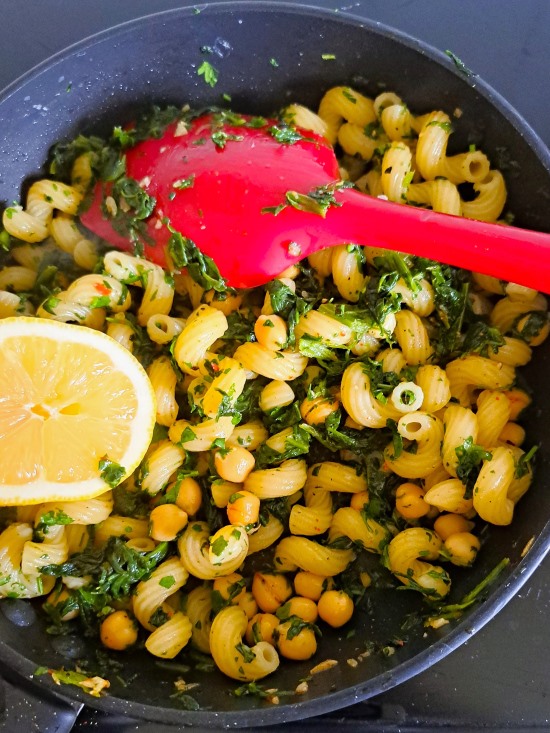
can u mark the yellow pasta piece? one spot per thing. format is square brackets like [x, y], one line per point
[226, 643]
[403, 553]
[298, 552]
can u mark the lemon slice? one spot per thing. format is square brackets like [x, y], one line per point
[73, 403]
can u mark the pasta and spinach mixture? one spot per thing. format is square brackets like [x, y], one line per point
[365, 401]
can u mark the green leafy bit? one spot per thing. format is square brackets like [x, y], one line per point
[296, 444]
[455, 610]
[445, 126]
[451, 298]
[532, 325]
[220, 138]
[460, 65]
[289, 305]
[480, 338]
[523, 466]
[187, 435]
[139, 201]
[186, 701]
[285, 134]
[348, 94]
[111, 472]
[115, 567]
[246, 652]
[397, 438]
[219, 602]
[185, 253]
[470, 457]
[319, 200]
[94, 686]
[130, 503]
[209, 73]
[328, 57]
[218, 546]
[52, 518]
[184, 183]
[167, 582]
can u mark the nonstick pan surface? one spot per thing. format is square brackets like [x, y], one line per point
[106, 80]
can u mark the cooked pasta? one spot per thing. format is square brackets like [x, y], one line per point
[365, 401]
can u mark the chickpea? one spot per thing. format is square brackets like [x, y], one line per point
[260, 628]
[462, 548]
[409, 501]
[297, 646]
[271, 332]
[243, 508]
[448, 524]
[225, 302]
[202, 465]
[234, 464]
[189, 496]
[222, 490]
[166, 521]
[248, 604]
[58, 597]
[118, 631]
[311, 585]
[315, 411]
[335, 608]
[300, 606]
[270, 590]
[359, 500]
[230, 587]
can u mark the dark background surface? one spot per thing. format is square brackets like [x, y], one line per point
[500, 679]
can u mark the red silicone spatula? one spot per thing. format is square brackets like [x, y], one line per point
[227, 187]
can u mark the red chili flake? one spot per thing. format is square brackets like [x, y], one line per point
[102, 289]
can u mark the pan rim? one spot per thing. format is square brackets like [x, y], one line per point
[500, 596]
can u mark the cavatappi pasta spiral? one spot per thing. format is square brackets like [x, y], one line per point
[365, 400]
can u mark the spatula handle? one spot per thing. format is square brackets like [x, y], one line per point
[505, 252]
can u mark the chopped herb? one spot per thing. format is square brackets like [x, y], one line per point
[209, 73]
[460, 65]
[480, 338]
[328, 56]
[52, 518]
[246, 652]
[184, 183]
[167, 582]
[115, 567]
[185, 253]
[296, 444]
[274, 62]
[523, 466]
[348, 94]
[455, 610]
[319, 200]
[218, 546]
[220, 138]
[470, 457]
[111, 472]
[285, 134]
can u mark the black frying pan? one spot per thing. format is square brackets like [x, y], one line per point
[108, 79]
